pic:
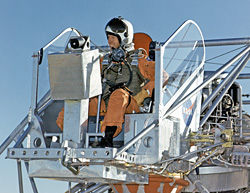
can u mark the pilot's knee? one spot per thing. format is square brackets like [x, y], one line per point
[119, 93]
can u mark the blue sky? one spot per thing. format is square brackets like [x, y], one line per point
[28, 25]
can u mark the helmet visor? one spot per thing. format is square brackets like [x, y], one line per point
[117, 26]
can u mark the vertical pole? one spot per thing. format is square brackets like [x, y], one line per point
[69, 188]
[32, 181]
[158, 79]
[75, 120]
[20, 177]
[240, 107]
[34, 85]
[98, 115]
[33, 106]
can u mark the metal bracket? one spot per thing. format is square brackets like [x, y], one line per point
[92, 135]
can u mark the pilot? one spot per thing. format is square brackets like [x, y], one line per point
[124, 86]
[123, 82]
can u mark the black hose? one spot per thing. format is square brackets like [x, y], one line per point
[197, 183]
[130, 73]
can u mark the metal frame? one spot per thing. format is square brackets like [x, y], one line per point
[20, 133]
[208, 80]
[227, 83]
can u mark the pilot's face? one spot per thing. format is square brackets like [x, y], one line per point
[113, 41]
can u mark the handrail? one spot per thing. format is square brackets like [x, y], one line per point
[59, 35]
[210, 43]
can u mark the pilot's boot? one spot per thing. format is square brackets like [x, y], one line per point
[107, 140]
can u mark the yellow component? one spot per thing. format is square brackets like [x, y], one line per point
[200, 135]
[175, 175]
[200, 138]
[228, 144]
[228, 137]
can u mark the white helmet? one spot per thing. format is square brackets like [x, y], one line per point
[122, 29]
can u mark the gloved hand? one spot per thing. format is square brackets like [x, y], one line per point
[141, 96]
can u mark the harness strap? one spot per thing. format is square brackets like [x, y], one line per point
[129, 100]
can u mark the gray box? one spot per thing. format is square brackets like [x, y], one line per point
[74, 76]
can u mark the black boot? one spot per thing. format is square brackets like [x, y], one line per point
[107, 140]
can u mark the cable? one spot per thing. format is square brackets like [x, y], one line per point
[225, 53]
[217, 63]
[140, 55]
